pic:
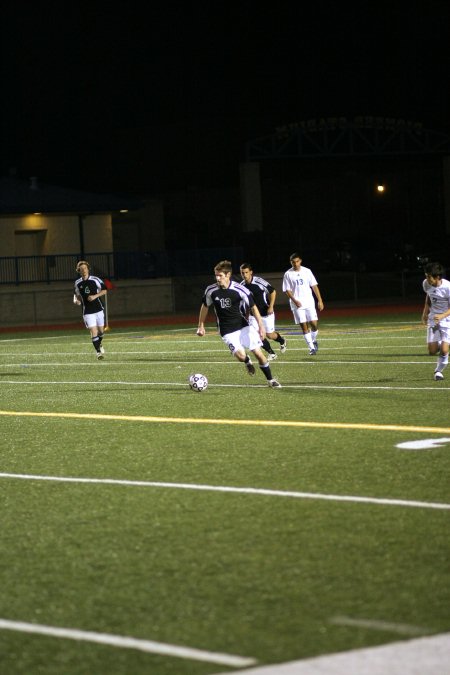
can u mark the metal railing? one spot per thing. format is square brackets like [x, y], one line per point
[191, 268]
[134, 265]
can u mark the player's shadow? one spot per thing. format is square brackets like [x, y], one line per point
[11, 374]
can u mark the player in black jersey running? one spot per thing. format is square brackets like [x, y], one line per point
[88, 291]
[264, 294]
[232, 304]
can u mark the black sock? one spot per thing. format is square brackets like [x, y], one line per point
[280, 339]
[266, 346]
[267, 372]
[96, 341]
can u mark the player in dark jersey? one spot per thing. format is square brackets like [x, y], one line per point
[88, 291]
[264, 294]
[232, 304]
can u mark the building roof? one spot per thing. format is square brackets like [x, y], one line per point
[19, 196]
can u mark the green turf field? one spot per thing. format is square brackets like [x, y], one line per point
[169, 532]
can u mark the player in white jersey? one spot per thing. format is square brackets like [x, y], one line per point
[436, 315]
[299, 284]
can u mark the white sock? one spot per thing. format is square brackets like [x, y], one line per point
[314, 335]
[308, 340]
[442, 363]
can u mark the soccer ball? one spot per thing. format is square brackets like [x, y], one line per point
[198, 382]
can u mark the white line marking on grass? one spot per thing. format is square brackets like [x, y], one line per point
[385, 338]
[223, 386]
[44, 337]
[234, 490]
[424, 444]
[152, 362]
[365, 363]
[127, 643]
[372, 624]
[422, 656]
[228, 422]
[345, 348]
[245, 385]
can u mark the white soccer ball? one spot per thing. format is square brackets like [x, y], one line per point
[198, 382]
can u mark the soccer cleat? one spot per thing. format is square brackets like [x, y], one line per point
[438, 375]
[101, 350]
[100, 355]
[274, 384]
[312, 352]
[271, 356]
[250, 368]
[283, 346]
[316, 345]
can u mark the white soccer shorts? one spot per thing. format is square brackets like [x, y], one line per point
[438, 333]
[303, 315]
[268, 322]
[245, 338]
[96, 319]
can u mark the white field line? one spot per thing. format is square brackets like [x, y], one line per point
[227, 422]
[83, 361]
[145, 334]
[324, 337]
[345, 342]
[330, 359]
[387, 626]
[333, 387]
[127, 643]
[232, 490]
[210, 350]
[422, 656]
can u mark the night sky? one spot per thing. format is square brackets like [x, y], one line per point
[128, 98]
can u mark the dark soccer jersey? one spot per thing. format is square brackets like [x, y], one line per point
[261, 289]
[90, 286]
[231, 306]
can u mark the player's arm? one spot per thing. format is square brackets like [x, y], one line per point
[76, 297]
[201, 320]
[290, 295]
[316, 292]
[443, 315]
[94, 296]
[272, 296]
[262, 331]
[426, 309]
[288, 291]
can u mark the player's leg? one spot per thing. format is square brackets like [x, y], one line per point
[90, 321]
[280, 339]
[251, 340]
[237, 349]
[101, 329]
[442, 361]
[433, 340]
[269, 323]
[267, 347]
[314, 331]
[265, 368]
[308, 337]
[312, 318]
[302, 320]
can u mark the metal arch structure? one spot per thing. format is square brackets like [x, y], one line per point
[339, 137]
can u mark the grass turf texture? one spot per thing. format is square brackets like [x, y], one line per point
[246, 574]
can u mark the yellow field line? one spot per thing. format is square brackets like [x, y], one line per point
[232, 422]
